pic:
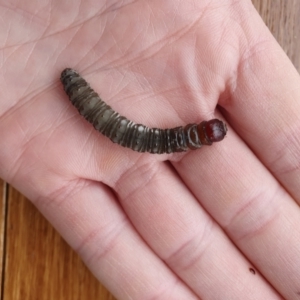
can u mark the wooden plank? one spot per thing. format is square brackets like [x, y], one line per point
[283, 19]
[39, 263]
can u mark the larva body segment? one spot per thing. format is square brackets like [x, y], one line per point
[128, 134]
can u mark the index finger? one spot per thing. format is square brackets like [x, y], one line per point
[264, 108]
[257, 213]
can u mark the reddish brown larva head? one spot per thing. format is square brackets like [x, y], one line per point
[215, 130]
[211, 131]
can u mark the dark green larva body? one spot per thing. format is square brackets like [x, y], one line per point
[128, 134]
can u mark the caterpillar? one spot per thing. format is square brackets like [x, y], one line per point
[128, 134]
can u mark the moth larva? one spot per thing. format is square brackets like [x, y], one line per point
[137, 137]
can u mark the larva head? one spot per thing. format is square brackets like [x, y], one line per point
[212, 131]
[215, 130]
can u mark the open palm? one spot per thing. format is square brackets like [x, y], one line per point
[181, 226]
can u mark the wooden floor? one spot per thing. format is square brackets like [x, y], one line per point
[36, 262]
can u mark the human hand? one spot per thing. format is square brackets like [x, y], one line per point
[148, 228]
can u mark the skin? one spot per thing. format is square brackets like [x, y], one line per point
[181, 226]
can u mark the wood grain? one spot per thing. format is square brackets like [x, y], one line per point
[36, 262]
[283, 19]
[39, 263]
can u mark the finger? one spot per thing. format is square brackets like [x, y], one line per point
[263, 106]
[88, 217]
[256, 212]
[170, 219]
